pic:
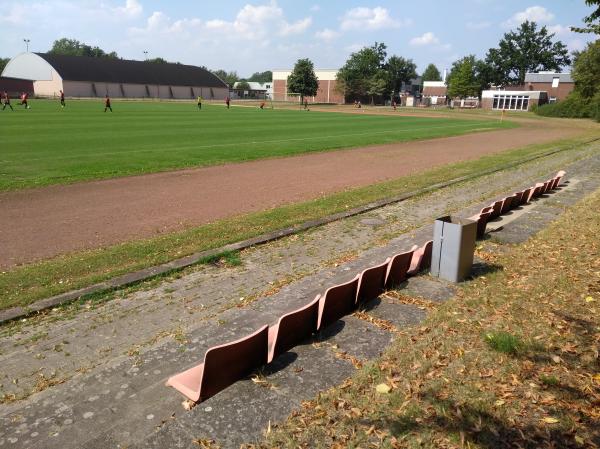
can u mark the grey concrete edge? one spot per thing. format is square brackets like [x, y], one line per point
[146, 274]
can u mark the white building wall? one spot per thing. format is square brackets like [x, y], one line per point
[322, 74]
[49, 88]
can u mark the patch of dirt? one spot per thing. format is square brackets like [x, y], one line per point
[42, 223]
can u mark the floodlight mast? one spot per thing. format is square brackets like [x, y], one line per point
[27, 44]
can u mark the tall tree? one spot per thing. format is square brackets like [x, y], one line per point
[3, 62]
[377, 85]
[586, 70]
[262, 77]
[399, 70]
[431, 73]
[463, 80]
[360, 67]
[592, 21]
[526, 50]
[228, 78]
[72, 47]
[303, 80]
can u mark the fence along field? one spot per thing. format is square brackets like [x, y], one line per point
[49, 145]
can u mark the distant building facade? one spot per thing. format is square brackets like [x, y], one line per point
[512, 100]
[80, 76]
[558, 85]
[14, 87]
[326, 92]
[435, 92]
[256, 90]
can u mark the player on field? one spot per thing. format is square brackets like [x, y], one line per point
[262, 105]
[6, 98]
[199, 102]
[62, 99]
[227, 101]
[107, 103]
[24, 97]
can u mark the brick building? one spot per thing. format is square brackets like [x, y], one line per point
[325, 94]
[436, 91]
[558, 85]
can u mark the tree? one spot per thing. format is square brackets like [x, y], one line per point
[262, 77]
[72, 47]
[592, 21]
[157, 61]
[431, 73]
[360, 67]
[303, 80]
[586, 70]
[228, 78]
[242, 85]
[463, 80]
[377, 85]
[3, 62]
[526, 50]
[399, 70]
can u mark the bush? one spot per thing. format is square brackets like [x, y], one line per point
[574, 106]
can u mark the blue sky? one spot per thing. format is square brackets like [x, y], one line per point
[255, 35]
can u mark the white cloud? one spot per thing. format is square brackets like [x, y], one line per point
[252, 22]
[299, 27]
[315, 8]
[479, 25]
[327, 35]
[132, 8]
[427, 38]
[370, 19]
[537, 14]
[559, 30]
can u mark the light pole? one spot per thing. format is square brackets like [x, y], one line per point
[145, 55]
[27, 44]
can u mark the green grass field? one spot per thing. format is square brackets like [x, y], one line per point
[49, 145]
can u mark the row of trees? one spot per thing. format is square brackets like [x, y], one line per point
[527, 49]
[369, 73]
[584, 101]
[232, 77]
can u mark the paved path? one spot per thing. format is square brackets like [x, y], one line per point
[42, 223]
[92, 375]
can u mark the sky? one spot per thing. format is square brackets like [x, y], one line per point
[256, 35]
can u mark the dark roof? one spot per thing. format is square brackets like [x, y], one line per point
[83, 68]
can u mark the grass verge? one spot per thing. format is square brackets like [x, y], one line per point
[25, 284]
[511, 362]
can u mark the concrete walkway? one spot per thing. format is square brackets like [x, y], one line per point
[92, 375]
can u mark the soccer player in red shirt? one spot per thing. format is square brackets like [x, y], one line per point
[107, 103]
[62, 99]
[227, 101]
[24, 97]
[7, 101]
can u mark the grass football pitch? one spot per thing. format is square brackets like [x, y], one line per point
[49, 145]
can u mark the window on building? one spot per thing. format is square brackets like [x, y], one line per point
[552, 100]
[511, 102]
[555, 81]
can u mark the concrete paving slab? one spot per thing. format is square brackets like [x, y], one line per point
[400, 315]
[241, 413]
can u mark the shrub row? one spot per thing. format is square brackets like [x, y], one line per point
[574, 106]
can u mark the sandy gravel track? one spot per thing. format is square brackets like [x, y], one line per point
[42, 223]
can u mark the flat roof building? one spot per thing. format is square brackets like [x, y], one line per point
[512, 100]
[81, 76]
